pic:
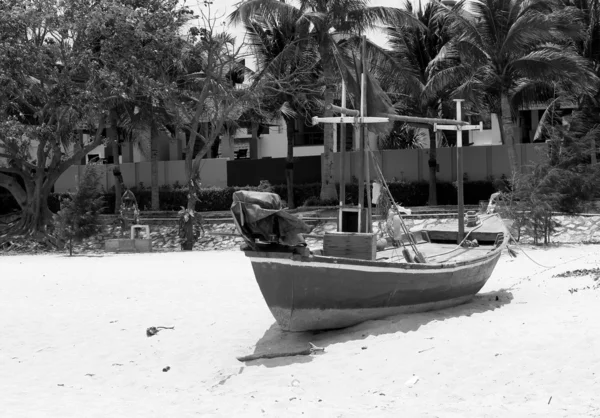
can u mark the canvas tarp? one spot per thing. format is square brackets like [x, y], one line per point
[260, 215]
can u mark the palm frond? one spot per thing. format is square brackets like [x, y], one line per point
[470, 89]
[391, 68]
[460, 21]
[554, 64]
[543, 123]
[527, 92]
[536, 28]
[445, 80]
[248, 9]
[369, 18]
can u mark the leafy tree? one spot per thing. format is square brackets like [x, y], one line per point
[405, 71]
[325, 22]
[209, 99]
[43, 104]
[504, 54]
[63, 68]
[589, 48]
[146, 58]
[287, 73]
[78, 217]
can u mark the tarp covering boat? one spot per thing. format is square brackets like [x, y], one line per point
[260, 215]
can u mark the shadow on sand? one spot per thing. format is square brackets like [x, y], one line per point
[275, 341]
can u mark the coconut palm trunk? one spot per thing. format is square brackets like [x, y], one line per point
[433, 140]
[508, 129]
[289, 164]
[328, 189]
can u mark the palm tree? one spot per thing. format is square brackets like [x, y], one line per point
[406, 70]
[589, 45]
[589, 48]
[505, 54]
[325, 22]
[288, 74]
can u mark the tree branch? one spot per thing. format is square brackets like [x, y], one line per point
[84, 150]
[18, 160]
[11, 170]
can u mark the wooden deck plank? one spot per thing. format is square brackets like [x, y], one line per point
[431, 249]
[487, 231]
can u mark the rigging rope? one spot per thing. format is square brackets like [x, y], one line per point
[386, 190]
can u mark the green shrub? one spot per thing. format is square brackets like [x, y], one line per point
[77, 218]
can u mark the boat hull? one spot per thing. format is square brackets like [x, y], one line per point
[315, 293]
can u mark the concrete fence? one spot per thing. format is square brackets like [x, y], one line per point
[479, 163]
[213, 172]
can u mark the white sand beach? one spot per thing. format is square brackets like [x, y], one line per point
[73, 344]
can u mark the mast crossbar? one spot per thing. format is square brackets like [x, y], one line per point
[348, 119]
[440, 127]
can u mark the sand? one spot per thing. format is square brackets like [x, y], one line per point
[73, 344]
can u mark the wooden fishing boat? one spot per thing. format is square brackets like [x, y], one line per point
[313, 292]
[349, 281]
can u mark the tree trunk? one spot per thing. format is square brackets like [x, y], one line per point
[508, 133]
[35, 213]
[187, 244]
[433, 139]
[154, 166]
[70, 247]
[254, 142]
[289, 166]
[328, 189]
[114, 139]
[33, 200]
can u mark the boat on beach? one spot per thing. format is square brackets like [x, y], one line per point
[309, 290]
[359, 274]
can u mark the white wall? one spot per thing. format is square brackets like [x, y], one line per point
[488, 136]
[272, 146]
[274, 143]
[213, 172]
[308, 150]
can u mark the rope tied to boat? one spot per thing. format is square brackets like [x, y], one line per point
[526, 255]
[459, 246]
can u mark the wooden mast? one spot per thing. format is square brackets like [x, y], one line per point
[459, 175]
[365, 136]
[459, 126]
[361, 146]
[343, 159]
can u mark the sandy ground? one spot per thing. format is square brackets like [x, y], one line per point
[73, 344]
